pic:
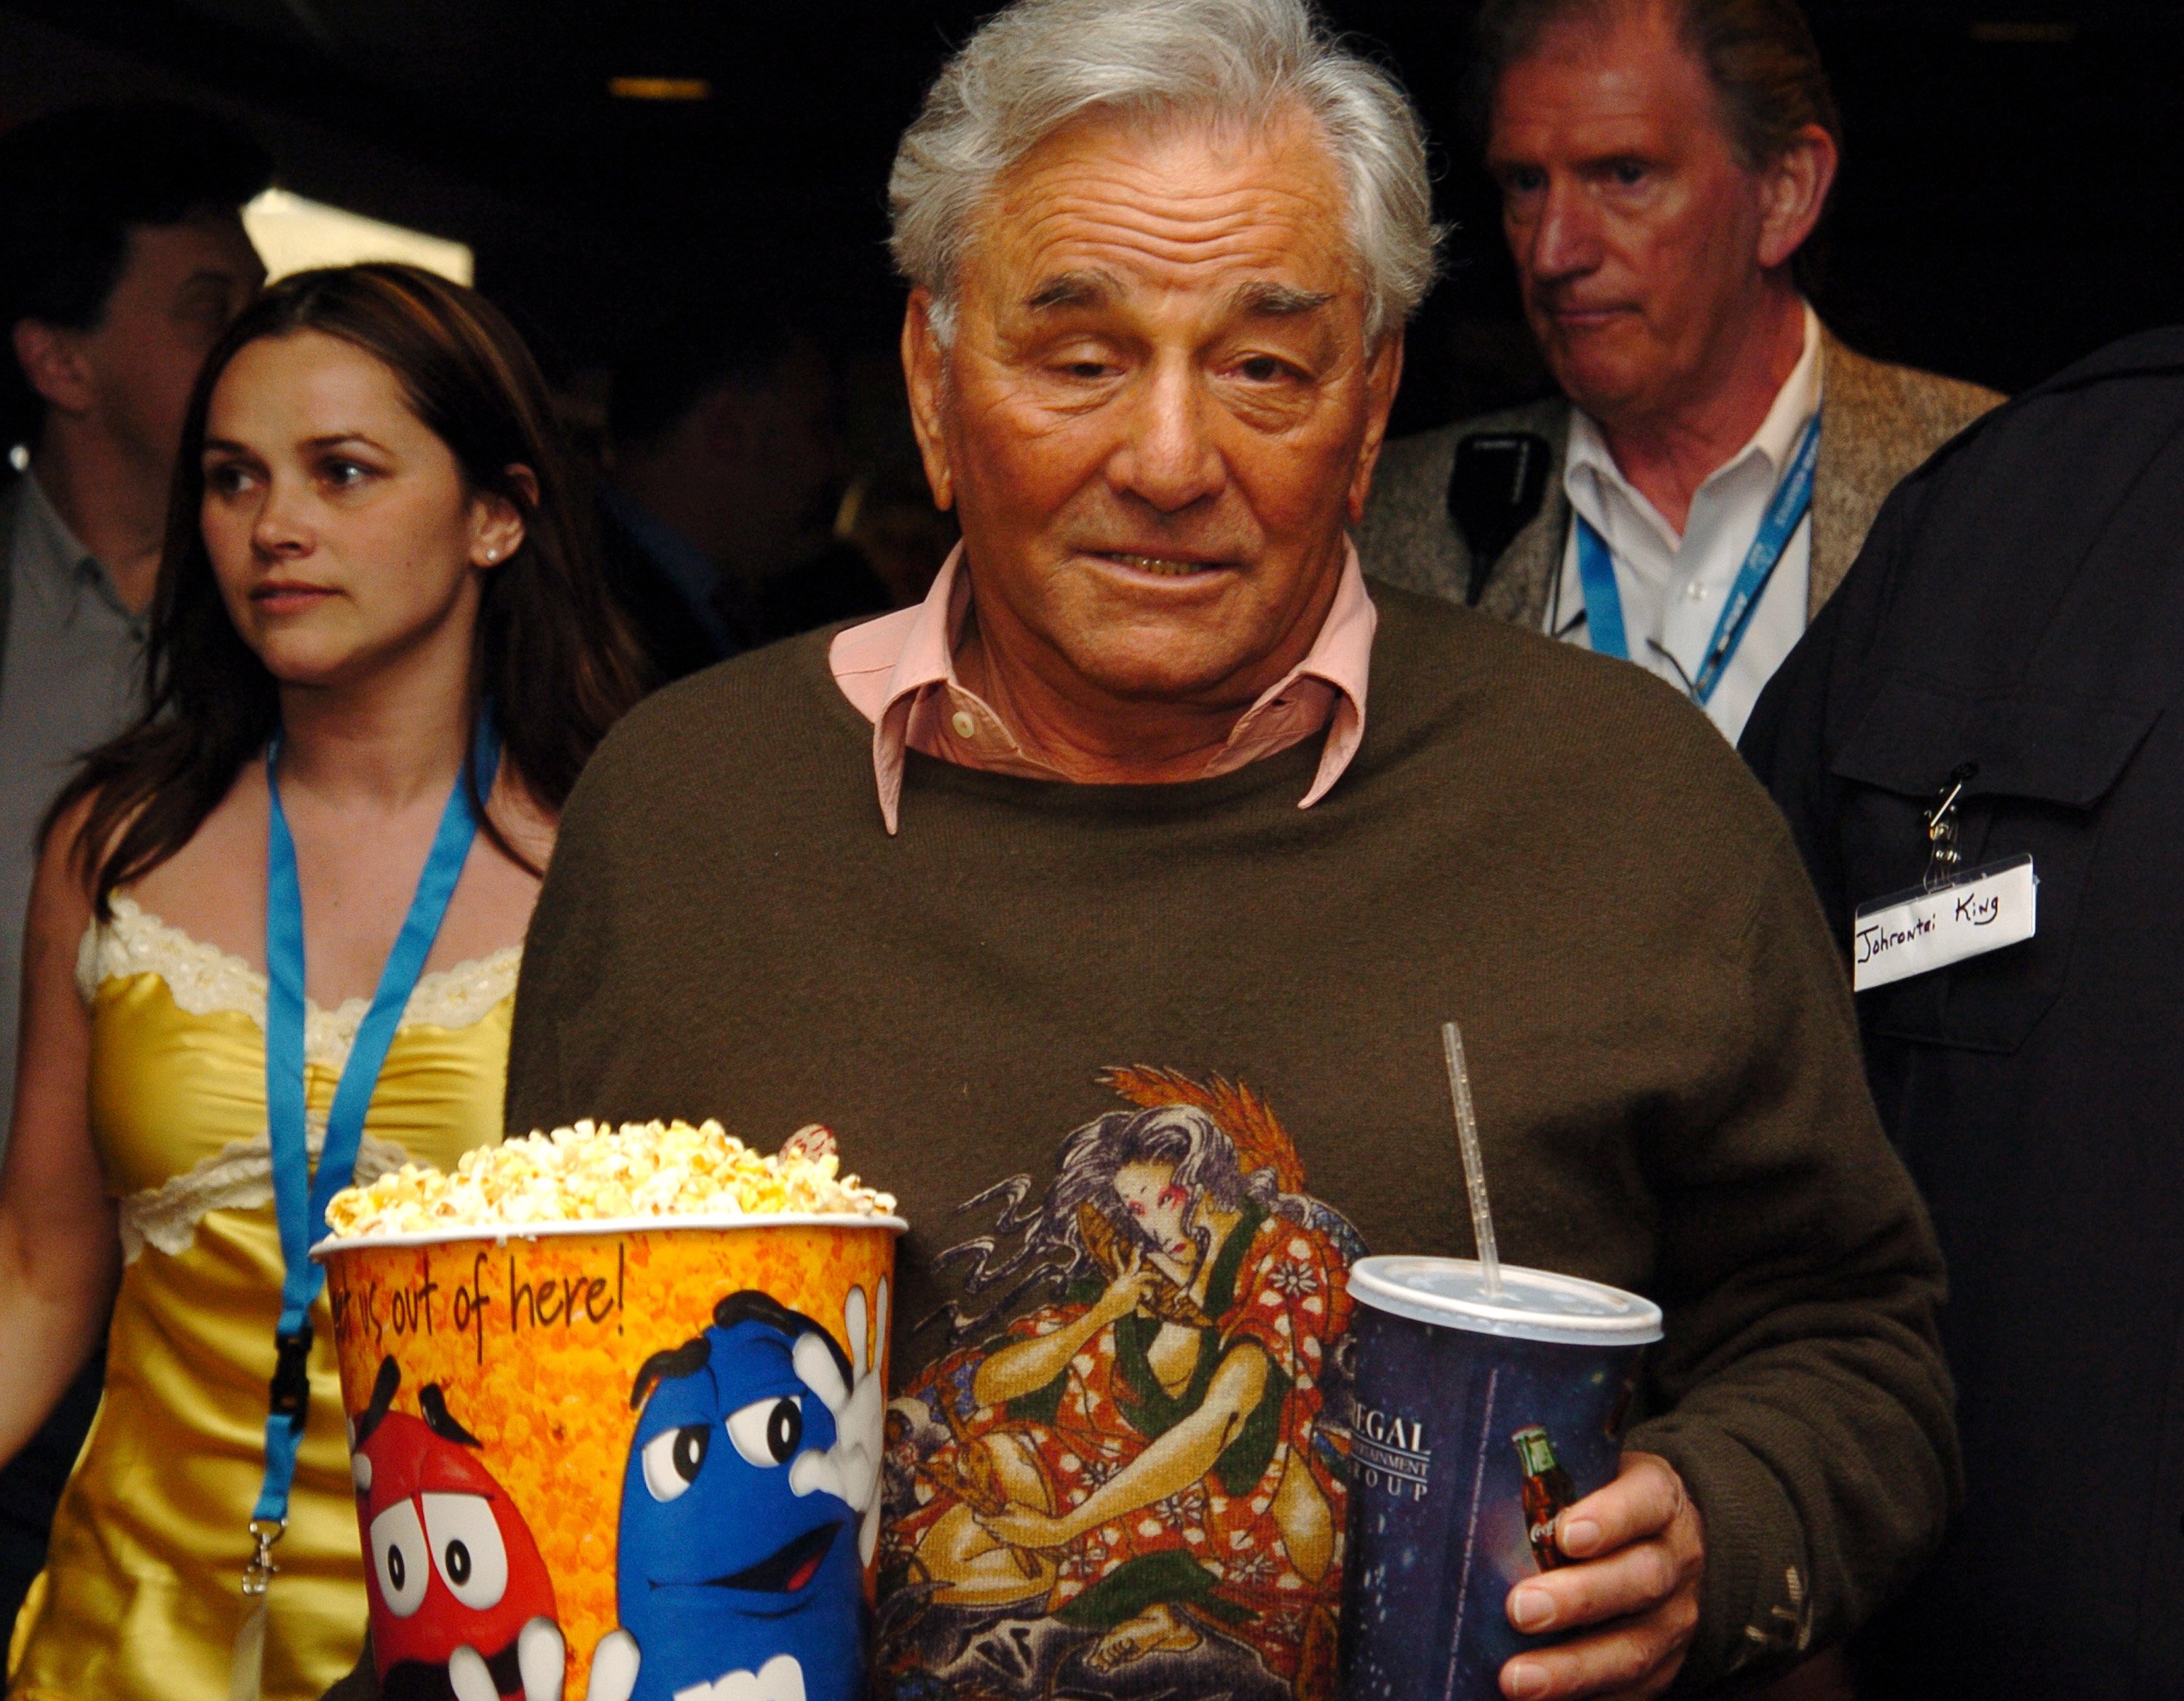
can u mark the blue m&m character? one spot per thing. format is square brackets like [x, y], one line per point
[749, 1505]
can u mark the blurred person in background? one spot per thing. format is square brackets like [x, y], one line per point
[889, 514]
[376, 630]
[725, 480]
[1716, 455]
[122, 259]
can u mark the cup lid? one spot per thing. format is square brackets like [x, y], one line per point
[1534, 1305]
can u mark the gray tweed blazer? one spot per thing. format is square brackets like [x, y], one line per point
[1881, 423]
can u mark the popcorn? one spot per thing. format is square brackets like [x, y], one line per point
[592, 1172]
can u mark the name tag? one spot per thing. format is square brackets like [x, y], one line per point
[1896, 937]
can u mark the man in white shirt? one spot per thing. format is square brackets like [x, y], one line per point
[1672, 585]
[1663, 164]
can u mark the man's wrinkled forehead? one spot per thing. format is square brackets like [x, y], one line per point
[1108, 212]
[1614, 77]
[1250, 298]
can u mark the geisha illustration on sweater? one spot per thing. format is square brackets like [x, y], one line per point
[1122, 1477]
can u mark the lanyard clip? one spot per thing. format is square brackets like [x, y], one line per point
[1942, 856]
[258, 1575]
[291, 1396]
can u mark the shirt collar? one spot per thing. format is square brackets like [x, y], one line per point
[1590, 471]
[43, 537]
[889, 665]
[39, 540]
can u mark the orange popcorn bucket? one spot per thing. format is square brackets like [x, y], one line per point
[632, 1460]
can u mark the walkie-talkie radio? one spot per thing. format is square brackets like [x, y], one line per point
[1495, 491]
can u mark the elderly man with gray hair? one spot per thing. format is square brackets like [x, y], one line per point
[1107, 904]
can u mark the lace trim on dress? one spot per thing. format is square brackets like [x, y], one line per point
[238, 1177]
[205, 980]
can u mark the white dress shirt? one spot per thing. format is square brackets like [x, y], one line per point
[1673, 588]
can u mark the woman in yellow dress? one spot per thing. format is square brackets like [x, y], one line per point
[374, 577]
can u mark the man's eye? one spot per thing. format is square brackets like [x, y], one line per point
[1629, 173]
[1263, 369]
[1523, 179]
[204, 308]
[1089, 370]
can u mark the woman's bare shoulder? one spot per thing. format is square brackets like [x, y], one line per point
[61, 887]
[62, 843]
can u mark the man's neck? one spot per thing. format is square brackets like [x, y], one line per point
[1666, 455]
[107, 496]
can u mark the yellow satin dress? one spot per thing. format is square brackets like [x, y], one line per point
[141, 1597]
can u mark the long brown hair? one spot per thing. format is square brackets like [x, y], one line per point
[552, 655]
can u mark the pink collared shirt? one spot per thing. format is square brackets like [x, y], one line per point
[900, 672]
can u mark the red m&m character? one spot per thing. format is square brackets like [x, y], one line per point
[462, 1603]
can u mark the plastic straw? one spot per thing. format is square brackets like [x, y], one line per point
[1474, 1168]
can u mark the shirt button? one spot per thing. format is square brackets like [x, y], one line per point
[965, 723]
[1695, 591]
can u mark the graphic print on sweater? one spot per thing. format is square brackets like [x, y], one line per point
[1123, 1476]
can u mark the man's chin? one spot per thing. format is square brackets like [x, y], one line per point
[1174, 672]
[1604, 370]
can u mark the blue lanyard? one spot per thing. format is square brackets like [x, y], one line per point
[1786, 512]
[300, 1200]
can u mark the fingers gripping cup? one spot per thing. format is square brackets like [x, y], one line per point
[628, 1447]
[1477, 1420]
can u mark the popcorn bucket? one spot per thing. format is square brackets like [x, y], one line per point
[625, 1460]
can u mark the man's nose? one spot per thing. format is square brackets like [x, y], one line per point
[1564, 240]
[1167, 458]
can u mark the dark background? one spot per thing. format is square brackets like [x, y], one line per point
[2010, 199]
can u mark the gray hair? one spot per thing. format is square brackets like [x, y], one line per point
[1041, 63]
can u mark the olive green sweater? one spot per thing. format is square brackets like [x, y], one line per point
[1551, 848]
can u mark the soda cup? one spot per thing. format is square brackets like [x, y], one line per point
[1477, 1420]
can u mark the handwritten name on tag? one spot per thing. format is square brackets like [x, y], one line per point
[1916, 932]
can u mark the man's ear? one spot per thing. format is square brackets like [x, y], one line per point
[925, 374]
[54, 366]
[1383, 375]
[1793, 194]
